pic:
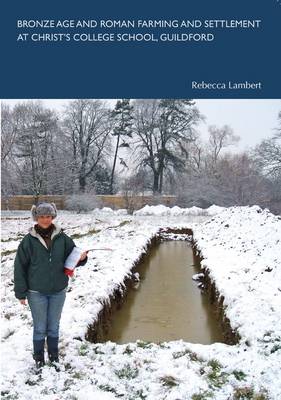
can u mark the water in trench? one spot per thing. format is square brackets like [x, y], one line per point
[167, 305]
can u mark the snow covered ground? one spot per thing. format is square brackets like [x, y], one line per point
[241, 249]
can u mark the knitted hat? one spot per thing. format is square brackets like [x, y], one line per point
[43, 209]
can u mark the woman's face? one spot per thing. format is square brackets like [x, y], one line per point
[44, 221]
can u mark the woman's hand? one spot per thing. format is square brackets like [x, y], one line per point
[23, 302]
[83, 256]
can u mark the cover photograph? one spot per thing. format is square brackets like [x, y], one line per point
[140, 200]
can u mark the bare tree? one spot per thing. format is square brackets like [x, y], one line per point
[134, 187]
[268, 155]
[240, 178]
[87, 126]
[236, 181]
[60, 179]
[8, 131]
[34, 127]
[195, 156]
[8, 135]
[220, 138]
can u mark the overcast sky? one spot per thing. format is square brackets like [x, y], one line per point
[252, 120]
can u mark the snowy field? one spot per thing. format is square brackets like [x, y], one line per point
[241, 248]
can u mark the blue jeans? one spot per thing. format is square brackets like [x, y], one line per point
[46, 313]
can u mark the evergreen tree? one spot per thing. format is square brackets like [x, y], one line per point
[100, 180]
[177, 119]
[163, 128]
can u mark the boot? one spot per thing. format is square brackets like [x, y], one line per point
[53, 351]
[38, 353]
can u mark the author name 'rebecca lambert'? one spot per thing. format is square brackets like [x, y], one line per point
[246, 85]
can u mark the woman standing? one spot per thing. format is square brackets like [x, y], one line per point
[39, 277]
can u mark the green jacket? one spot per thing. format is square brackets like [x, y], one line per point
[39, 268]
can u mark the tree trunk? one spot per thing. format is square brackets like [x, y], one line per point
[161, 181]
[114, 165]
[82, 183]
[156, 183]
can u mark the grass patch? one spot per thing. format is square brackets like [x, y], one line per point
[18, 237]
[216, 377]
[77, 375]
[194, 356]
[8, 315]
[144, 345]
[127, 372]
[119, 225]
[169, 381]
[215, 365]
[275, 348]
[83, 350]
[248, 393]
[191, 354]
[98, 351]
[163, 345]
[5, 394]
[202, 395]
[128, 350]
[180, 354]
[90, 232]
[124, 223]
[108, 388]
[7, 252]
[31, 382]
[67, 366]
[239, 375]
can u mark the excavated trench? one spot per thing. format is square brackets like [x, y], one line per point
[207, 321]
